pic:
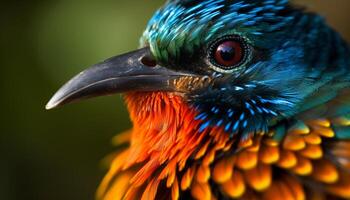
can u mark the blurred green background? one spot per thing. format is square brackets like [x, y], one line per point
[49, 155]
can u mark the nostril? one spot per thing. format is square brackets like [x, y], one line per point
[148, 61]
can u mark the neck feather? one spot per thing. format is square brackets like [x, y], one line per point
[165, 132]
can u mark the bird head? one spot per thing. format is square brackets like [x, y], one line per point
[240, 65]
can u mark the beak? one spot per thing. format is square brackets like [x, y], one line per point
[134, 71]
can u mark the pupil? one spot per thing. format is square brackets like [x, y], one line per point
[227, 53]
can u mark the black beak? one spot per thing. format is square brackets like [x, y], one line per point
[134, 71]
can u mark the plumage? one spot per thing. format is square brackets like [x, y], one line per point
[229, 99]
[253, 170]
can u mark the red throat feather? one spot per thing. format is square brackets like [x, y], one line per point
[164, 136]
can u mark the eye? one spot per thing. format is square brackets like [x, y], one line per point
[228, 54]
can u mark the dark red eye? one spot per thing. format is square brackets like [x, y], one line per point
[228, 53]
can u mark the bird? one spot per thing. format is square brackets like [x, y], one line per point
[229, 99]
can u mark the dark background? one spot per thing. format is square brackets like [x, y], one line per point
[49, 155]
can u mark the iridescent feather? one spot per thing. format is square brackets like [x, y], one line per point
[278, 130]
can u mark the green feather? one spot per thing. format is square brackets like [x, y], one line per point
[342, 132]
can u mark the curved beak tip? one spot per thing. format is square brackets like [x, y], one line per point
[49, 106]
[52, 104]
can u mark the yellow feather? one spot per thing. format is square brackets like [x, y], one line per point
[342, 121]
[294, 142]
[287, 159]
[247, 160]
[269, 154]
[201, 191]
[223, 170]
[203, 174]
[319, 122]
[303, 167]
[313, 139]
[151, 190]
[187, 178]
[323, 131]
[234, 187]
[119, 187]
[325, 171]
[209, 157]
[202, 151]
[259, 178]
[175, 190]
[341, 188]
[312, 152]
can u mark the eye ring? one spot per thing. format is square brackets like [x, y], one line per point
[229, 54]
